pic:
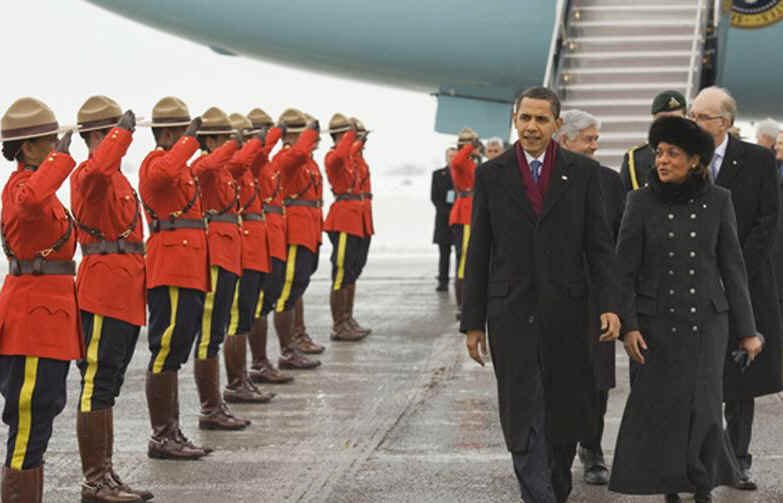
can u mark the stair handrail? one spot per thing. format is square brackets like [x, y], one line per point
[558, 34]
[717, 9]
[699, 30]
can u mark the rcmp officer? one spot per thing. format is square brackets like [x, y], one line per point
[463, 168]
[301, 201]
[344, 224]
[638, 161]
[38, 310]
[219, 198]
[111, 288]
[271, 195]
[442, 197]
[176, 263]
[255, 265]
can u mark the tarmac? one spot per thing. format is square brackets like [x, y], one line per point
[403, 416]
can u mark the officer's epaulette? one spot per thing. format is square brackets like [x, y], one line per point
[634, 149]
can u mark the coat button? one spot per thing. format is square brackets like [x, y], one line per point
[671, 254]
[671, 309]
[671, 272]
[531, 319]
[671, 216]
[693, 216]
[693, 310]
[184, 241]
[671, 235]
[695, 328]
[693, 254]
[692, 272]
[671, 292]
[247, 233]
[674, 330]
[693, 234]
[693, 291]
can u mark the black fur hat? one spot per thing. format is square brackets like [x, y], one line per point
[684, 133]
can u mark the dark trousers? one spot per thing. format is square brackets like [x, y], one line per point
[594, 443]
[271, 288]
[364, 254]
[246, 300]
[35, 393]
[739, 426]
[217, 310]
[346, 259]
[110, 344]
[298, 269]
[444, 264]
[175, 318]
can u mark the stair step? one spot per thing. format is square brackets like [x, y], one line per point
[630, 76]
[613, 92]
[614, 107]
[633, 12]
[631, 28]
[586, 45]
[626, 59]
[604, 3]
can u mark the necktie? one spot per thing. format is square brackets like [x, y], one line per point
[716, 159]
[535, 169]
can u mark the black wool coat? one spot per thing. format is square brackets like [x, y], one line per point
[777, 255]
[441, 185]
[683, 281]
[750, 173]
[527, 283]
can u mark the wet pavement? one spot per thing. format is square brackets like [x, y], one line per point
[403, 416]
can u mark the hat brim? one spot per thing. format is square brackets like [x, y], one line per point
[219, 131]
[161, 124]
[341, 129]
[59, 130]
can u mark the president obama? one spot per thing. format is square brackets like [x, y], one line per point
[538, 240]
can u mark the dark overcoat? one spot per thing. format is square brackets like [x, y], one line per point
[683, 278]
[777, 255]
[750, 173]
[527, 284]
[439, 191]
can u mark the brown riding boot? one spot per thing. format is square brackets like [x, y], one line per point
[301, 337]
[22, 486]
[98, 486]
[350, 297]
[290, 356]
[261, 369]
[143, 494]
[167, 442]
[215, 414]
[239, 389]
[341, 329]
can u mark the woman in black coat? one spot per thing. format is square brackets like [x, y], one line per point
[683, 281]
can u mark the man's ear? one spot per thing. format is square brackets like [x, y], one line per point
[558, 123]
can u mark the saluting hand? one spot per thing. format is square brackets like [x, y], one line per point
[477, 339]
[314, 125]
[64, 145]
[127, 121]
[194, 126]
[610, 327]
[634, 343]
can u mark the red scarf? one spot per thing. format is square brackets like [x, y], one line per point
[537, 191]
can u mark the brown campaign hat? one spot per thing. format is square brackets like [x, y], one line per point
[359, 124]
[28, 118]
[240, 123]
[294, 120]
[170, 112]
[98, 112]
[260, 119]
[215, 121]
[339, 124]
[467, 135]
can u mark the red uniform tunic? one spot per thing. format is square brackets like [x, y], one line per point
[255, 245]
[300, 182]
[317, 213]
[268, 174]
[38, 314]
[176, 257]
[365, 186]
[344, 216]
[463, 171]
[114, 284]
[219, 195]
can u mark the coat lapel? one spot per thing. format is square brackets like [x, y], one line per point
[511, 179]
[558, 182]
[731, 164]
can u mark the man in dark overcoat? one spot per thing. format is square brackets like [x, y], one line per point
[442, 197]
[749, 172]
[538, 239]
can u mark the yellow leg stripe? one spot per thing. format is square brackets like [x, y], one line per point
[290, 267]
[92, 363]
[632, 171]
[206, 319]
[464, 256]
[260, 305]
[233, 322]
[25, 412]
[338, 280]
[165, 341]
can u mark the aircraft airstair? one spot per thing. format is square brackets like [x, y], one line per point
[611, 57]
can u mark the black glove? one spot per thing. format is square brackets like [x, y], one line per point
[193, 128]
[362, 137]
[65, 143]
[741, 358]
[261, 135]
[127, 121]
[314, 125]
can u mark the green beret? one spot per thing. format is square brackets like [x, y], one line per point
[668, 101]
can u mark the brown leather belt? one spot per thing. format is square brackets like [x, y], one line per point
[119, 247]
[229, 218]
[270, 209]
[40, 267]
[301, 202]
[367, 195]
[177, 223]
[348, 197]
[253, 217]
[467, 193]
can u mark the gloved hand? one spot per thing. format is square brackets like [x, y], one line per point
[194, 126]
[127, 121]
[314, 125]
[64, 144]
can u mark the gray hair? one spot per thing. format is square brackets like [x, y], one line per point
[728, 105]
[575, 121]
[768, 127]
[495, 141]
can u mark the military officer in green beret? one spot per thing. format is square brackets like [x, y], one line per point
[638, 161]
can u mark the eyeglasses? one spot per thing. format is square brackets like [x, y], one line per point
[702, 117]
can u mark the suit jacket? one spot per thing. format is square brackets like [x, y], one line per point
[750, 173]
[527, 282]
[636, 166]
[441, 185]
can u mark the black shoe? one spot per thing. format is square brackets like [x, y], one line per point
[673, 498]
[442, 287]
[702, 498]
[596, 472]
[745, 482]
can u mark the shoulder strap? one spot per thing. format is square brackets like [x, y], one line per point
[256, 192]
[63, 239]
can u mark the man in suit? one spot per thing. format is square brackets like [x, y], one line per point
[749, 172]
[442, 197]
[579, 133]
[767, 132]
[537, 223]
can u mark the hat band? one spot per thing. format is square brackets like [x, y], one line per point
[204, 129]
[50, 127]
[99, 123]
[263, 124]
[170, 120]
[297, 125]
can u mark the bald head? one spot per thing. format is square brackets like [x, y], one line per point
[714, 110]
